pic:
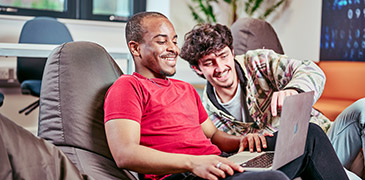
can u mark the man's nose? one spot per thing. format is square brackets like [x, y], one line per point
[219, 66]
[172, 47]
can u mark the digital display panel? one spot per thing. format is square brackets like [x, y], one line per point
[343, 30]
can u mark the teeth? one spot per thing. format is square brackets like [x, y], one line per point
[169, 59]
[222, 74]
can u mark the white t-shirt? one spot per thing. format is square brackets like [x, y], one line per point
[234, 106]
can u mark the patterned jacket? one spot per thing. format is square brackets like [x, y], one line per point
[261, 73]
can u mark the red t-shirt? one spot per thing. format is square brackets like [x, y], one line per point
[169, 111]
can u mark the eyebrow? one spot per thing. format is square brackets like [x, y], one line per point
[216, 55]
[221, 53]
[163, 35]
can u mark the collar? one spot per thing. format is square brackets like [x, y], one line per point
[158, 81]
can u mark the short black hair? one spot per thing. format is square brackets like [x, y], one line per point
[134, 30]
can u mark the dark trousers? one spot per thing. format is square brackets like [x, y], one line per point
[319, 161]
[24, 156]
[264, 175]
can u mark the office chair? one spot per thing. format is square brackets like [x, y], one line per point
[1, 99]
[40, 30]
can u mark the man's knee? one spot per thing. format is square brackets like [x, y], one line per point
[360, 108]
[314, 128]
[316, 132]
[355, 111]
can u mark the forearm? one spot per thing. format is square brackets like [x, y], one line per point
[306, 76]
[123, 137]
[226, 142]
[149, 161]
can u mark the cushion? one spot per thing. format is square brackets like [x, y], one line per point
[71, 116]
[250, 34]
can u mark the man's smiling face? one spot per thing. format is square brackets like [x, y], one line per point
[159, 49]
[218, 68]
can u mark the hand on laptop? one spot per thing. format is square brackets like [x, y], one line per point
[213, 167]
[277, 100]
[251, 140]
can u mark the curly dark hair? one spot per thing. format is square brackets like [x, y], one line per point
[134, 30]
[204, 39]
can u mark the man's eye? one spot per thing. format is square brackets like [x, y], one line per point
[208, 63]
[161, 42]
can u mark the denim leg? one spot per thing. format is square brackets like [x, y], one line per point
[347, 134]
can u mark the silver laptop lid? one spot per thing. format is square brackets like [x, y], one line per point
[292, 134]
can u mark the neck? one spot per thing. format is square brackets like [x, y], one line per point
[148, 74]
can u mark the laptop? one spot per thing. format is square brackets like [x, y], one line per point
[291, 138]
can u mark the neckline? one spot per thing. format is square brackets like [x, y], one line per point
[157, 81]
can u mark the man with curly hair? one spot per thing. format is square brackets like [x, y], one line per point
[244, 94]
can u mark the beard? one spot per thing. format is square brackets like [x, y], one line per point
[167, 74]
[227, 86]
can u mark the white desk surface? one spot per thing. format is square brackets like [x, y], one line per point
[43, 50]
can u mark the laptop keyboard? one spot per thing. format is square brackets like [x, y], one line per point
[263, 161]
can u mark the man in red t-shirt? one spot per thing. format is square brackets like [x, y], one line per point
[157, 126]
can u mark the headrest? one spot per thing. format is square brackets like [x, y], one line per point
[251, 34]
[75, 80]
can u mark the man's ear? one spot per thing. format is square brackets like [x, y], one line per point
[197, 70]
[134, 48]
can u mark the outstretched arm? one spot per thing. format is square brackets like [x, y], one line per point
[123, 137]
[231, 143]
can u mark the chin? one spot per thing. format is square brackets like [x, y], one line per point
[226, 85]
[168, 74]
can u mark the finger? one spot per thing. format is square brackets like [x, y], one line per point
[257, 142]
[233, 166]
[281, 97]
[211, 177]
[227, 169]
[292, 92]
[243, 144]
[263, 141]
[218, 172]
[250, 142]
[268, 134]
[274, 103]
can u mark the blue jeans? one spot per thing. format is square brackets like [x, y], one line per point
[347, 134]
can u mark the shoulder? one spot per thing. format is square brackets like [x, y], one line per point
[125, 83]
[260, 53]
[126, 79]
[259, 56]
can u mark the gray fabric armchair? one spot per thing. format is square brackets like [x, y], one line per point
[75, 80]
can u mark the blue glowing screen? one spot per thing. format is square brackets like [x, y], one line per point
[343, 30]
